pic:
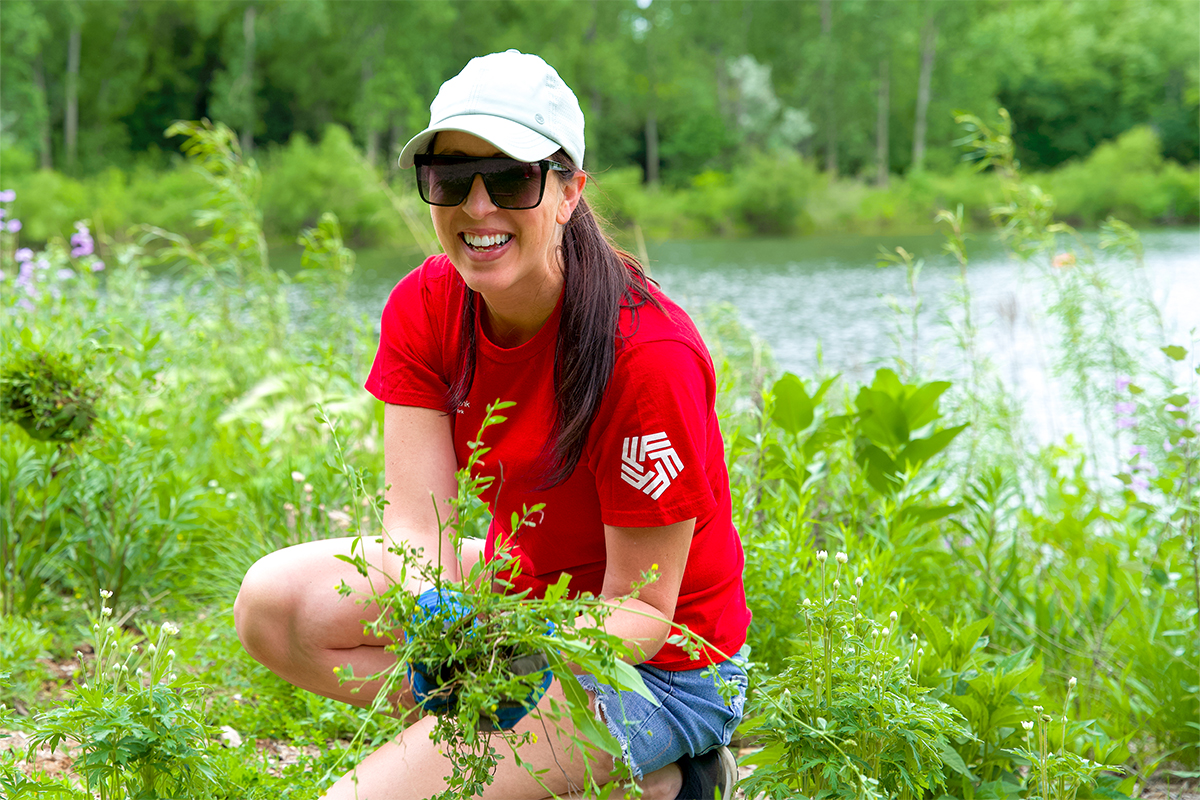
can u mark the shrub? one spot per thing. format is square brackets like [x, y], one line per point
[301, 180]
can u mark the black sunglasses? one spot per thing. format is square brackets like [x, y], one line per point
[514, 185]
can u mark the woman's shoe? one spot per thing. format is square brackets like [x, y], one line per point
[710, 776]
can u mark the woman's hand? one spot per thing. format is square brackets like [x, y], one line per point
[419, 467]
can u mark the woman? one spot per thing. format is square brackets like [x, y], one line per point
[614, 430]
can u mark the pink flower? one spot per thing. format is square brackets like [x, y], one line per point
[64, 274]
[14, 225]
[97, 265]
[1138, 450]
[25, 304]
[24, 254]
[7, 196]
[1125, 423]
[1123, 382]
[1139, 483]
[1125, 407]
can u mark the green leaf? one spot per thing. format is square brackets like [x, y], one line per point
[881, 419]
[581, 714]
[921, 406]
[918, 451]
[793, 407]
[1175, 352]
[952, 759]
[1177, 400]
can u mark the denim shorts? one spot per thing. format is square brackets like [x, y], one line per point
[690, 719]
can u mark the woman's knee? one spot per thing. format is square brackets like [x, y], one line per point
[263, 607]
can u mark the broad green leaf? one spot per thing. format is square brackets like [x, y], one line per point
[1178, 400]
[1175, 352]
[581, 714]
[793, 407]
[921, 406]
[918, 451]
[886, 381]
[881, 419]
[952, 759]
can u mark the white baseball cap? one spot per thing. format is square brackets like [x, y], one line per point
[512, 100]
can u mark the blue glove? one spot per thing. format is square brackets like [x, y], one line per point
[426, 680]
[509, 712]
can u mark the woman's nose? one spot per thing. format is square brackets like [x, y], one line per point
[478, 203]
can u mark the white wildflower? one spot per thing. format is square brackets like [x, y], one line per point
[297, 476]
[842, 558]
[822, 556]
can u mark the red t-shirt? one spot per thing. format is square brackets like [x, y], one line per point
[653, 455]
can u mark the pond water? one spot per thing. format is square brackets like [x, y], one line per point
[820, 302]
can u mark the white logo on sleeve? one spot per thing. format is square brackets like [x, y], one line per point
[654, 478]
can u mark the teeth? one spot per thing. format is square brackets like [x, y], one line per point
[486, 241]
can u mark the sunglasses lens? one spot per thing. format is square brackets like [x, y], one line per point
[447, 180]
[513, 184]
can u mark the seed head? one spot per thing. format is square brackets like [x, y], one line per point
[842, 558]
[822, 555]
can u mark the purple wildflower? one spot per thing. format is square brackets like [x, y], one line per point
[1167, 446]
[64, 274]
[97, 265]
[1125, 423]
[1138, 450]
[7, 196]
[1123, 382]
[14, 225]
[1125, 407]
[25, 304]
[23, 255]
[42, 263]
[3, 213]
[82, 241]
[1139, 483]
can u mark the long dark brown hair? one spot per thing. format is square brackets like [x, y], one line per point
[600, 279]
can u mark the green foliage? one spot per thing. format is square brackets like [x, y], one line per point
[301, 180]
[48, 394]
[22, 642]
[138, 722]
[846, 717]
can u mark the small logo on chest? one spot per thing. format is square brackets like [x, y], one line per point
[664, 466]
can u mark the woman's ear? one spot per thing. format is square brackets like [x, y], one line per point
[572, 190]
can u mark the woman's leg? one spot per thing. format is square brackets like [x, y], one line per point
[412, 766]
[291, 618]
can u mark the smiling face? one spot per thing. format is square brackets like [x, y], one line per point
[510, 257]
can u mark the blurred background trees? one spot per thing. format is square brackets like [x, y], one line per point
[681, 94]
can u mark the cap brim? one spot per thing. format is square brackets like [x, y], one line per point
[511, 138]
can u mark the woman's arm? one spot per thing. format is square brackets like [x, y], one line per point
[419, 467]
[645, 622]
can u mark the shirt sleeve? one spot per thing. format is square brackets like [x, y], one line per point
[410, 366]
[648, 446]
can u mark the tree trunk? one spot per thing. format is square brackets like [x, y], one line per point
[372, 133]
[881, 124]
[39, 80]
[71, 121]
[831, 132]
[247, 137]
[651, 145]
[928, 46]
